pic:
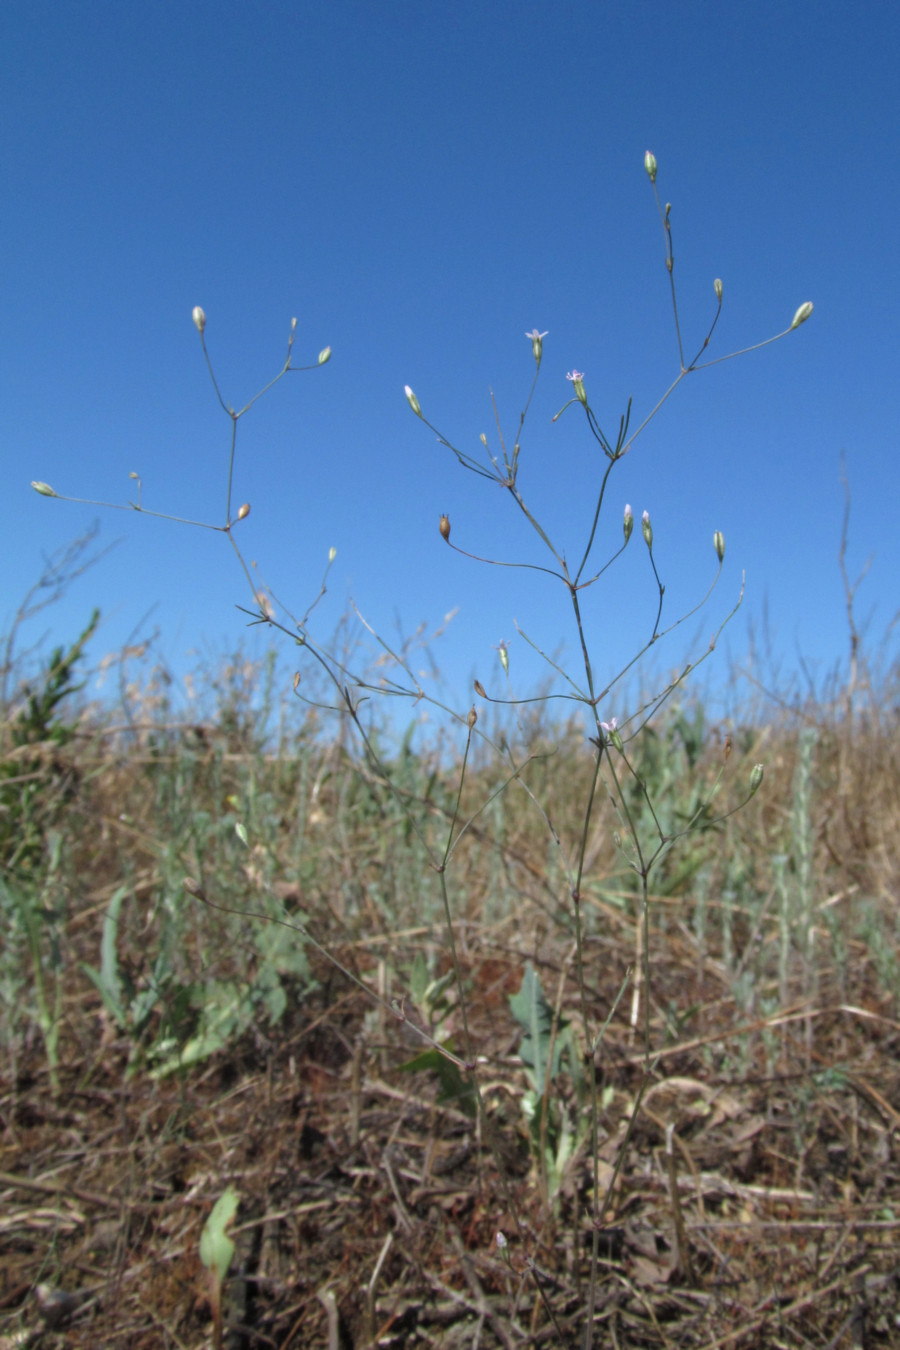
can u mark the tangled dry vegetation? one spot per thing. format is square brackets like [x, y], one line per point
[758, 1198]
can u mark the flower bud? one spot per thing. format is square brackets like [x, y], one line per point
[717, 287]
[324, 355]
[756, 778]
[479, 688]
[266, 608]
[293, 325]
[199, 318]
[44, 489]
[483, 440]
[444, 528]
[650, 165]
[504, 657]
[244, 512]
[412, 400]
[627, 523]
[332, 554]
[802, 314]
[296, 680]
[472, 717]
[191, 886]
[647, 529]
[719, 544]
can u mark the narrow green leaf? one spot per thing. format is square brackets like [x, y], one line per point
[216, 1247]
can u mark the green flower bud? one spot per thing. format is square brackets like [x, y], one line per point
[650, 166]
[647, 529]
[199, 318]
[324, 355]
[627, 523]
[332, 554]
[717, 287]
[719, 544]
[44, 489]
[756, 777]
[802, 314]
[412, 400]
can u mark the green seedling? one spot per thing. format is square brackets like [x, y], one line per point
[547, 1049]
[216, 1251]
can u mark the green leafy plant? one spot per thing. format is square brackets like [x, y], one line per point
[173, 1024]
[430, 997]
[548, 1048]
[35, 921]
[216, 1253]
[35, 776]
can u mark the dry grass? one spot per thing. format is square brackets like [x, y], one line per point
[758, 1200]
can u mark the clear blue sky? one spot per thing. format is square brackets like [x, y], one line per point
[419, 184]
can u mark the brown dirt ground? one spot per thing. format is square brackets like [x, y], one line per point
[369, 1212]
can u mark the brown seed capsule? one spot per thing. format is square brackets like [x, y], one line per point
[445, 528]
[244, 511]
[55, 1305]
[728, 746]
[472, 717]
[479, 689]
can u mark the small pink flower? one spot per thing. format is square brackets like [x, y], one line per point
[613, 735]
[574, 375]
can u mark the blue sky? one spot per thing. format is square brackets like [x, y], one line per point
[420, 184]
